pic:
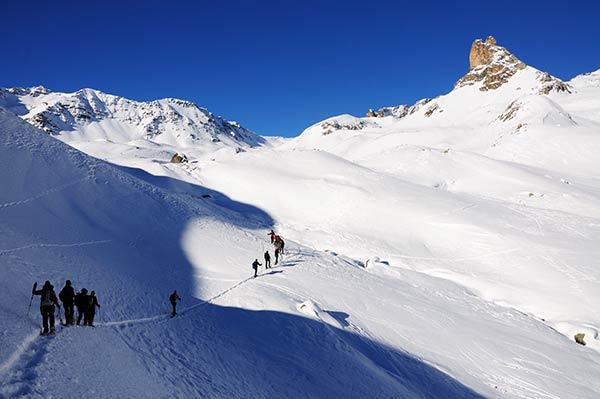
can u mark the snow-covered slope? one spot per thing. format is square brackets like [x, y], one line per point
[318, 325]
[92, 116]
[446, 249]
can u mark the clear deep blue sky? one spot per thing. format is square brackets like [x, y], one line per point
[280, 66]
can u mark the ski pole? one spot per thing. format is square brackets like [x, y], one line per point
[31, 300]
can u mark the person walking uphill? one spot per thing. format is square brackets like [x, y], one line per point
[173, 299]
[255, 266]
[47, 301]
[67, 297]
[90, 312]
[267, 260]
[81, 301]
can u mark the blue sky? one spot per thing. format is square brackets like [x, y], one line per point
[279, 66]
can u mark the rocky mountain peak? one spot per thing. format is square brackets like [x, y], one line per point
[490, 64]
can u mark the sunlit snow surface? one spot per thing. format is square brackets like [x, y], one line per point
[445, 256]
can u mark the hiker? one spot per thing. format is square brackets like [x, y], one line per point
[173, 299]
[81, 301]
[67, 297]
[255, 266]
[47, 301]
[92, 304]
[281, 245]
[267, 260]
[276, 255]
[272, 234]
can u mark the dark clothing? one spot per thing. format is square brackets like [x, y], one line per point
[272, 234]
[67, 294]
[67, 297]
[69, 314]
[276, 255]
[90, 310]
[281, 245]
[81, 301]
[255, 265]
[267, 260]
[47, 301]
[47, 316]
[173, 299]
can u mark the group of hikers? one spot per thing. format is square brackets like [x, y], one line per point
[279, 245]
[86, 305]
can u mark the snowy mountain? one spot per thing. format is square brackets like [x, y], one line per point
[90, 115]
[446, 249]
[499, 107]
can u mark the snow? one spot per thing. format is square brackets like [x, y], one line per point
[451, 255]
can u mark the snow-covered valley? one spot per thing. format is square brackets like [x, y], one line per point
[447, 249]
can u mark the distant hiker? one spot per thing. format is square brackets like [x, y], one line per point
[255, 266]
[173, 299]
[278, 243]
[92, 304]
[47, 301]
[267, 260]
[272, 234]
[276, 255]
[67, 297]
[81, 302]
[281, 245]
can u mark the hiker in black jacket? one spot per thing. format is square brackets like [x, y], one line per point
[255, 266]
[47, 301]
[173, 299]
[67, 297]
[267, 260]
[81, 302]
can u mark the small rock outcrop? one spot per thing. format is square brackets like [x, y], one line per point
[550, 83]
[179, 158]
[371, 114]
[579, 338]
[490, 64]
[331, 126]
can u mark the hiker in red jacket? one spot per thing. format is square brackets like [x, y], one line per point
[47, 301]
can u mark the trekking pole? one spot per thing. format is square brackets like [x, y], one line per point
[30, 301]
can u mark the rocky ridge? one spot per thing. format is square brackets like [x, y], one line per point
[188, 123]
[490, 67]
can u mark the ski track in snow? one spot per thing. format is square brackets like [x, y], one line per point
[44, 193]
[78, 244]
[192, 307]
[19, 369]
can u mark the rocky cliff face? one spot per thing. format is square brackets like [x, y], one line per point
[491, 66]
[172, 120]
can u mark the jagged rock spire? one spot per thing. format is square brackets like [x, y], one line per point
[490, 64]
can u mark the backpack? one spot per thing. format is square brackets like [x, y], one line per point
[47, 298]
